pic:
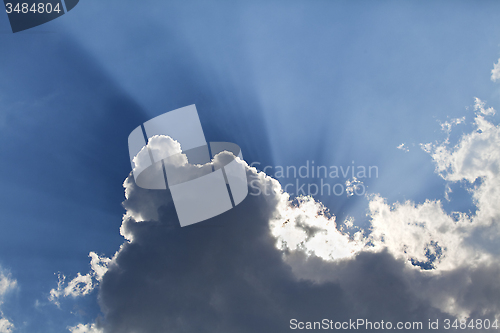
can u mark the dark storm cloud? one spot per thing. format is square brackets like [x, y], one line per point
[226, 275]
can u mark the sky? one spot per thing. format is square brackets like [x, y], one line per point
[410, 89]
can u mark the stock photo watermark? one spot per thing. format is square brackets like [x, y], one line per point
[207, 179]
[365, 324]
[200, 189]
[27, 14]
[310, 179]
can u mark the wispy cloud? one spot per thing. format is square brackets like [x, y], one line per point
[403, 147]
[88, 328]
[7, 284]
[81, 285]
[495, 72]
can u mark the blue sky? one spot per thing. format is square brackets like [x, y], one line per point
[288, 81]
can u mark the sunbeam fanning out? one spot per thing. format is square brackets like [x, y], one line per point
[364, 191]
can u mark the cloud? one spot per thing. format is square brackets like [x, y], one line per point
[423, 234]
[403, 147]
[354, 186]
[81, 285]
[495, 72]
[271, 258]
[308, 227]
[252, 267]
[476, 161]
[458, 247]
[6, 326]
[89, 328]
[7, 284]
[447, 126]
[227, 274]
[479, 105]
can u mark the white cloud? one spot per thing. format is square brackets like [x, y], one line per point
[427, 147]
[495, 72]
[7, 284]
[308, 227]
[447, 126]
[403, 147]
[89, 328]
[99, 265]
[6, 326]
[81, 285]
[456, 244]
[476, 158]
[479, 105]
[423, 233]
[354, 186]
